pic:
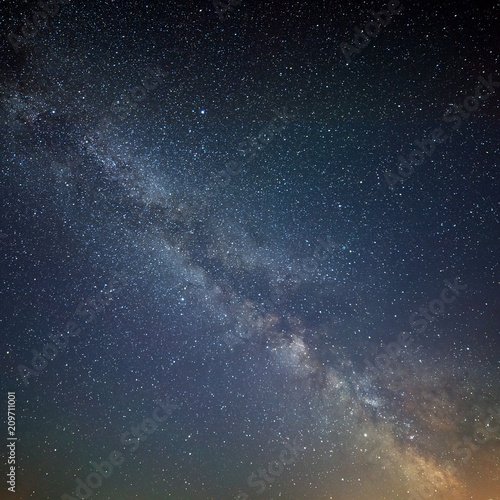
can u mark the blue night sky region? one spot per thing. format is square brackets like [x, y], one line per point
[250, 250]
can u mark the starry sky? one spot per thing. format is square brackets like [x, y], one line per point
[249, 250]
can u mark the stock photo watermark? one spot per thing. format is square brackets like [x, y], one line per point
[39, 21]
[4, 240]
[11, 440]
[222, 9]
[64, 168]
[288, 455]
[127, 102]
[419, 321]
[363, 37]
[322, 251]
[248, 148]
[455, 114]
[87, 310]
[133, 439]
[462, 451]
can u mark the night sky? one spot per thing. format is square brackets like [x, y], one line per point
[250, 250]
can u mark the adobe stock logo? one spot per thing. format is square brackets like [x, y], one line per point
[311, 264]
[275, 468]
[419, 321]
[436, 306]
[248, 149]
[140, 433]
[86, 309]
[463, 448]
[362, 38]
[455, 114]
[221, 9]
[40, 20]
[128, 101]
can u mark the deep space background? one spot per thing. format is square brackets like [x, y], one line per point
[228, 241]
